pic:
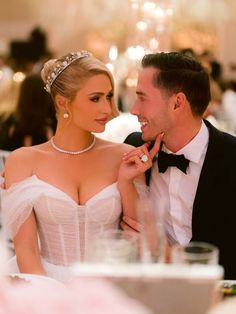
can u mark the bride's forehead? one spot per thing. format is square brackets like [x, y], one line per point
[97, 82]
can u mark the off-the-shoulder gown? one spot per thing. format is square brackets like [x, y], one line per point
[65, 229]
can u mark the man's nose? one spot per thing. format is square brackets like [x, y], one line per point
[134, 109]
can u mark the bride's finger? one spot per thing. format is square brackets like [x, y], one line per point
[146, 152]
[130, 151]
[136, 152]
[144, 165]
[156, 145]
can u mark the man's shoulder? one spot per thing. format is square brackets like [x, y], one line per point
[230, 139]
[224, 139]
[134, 139]
[229, 147]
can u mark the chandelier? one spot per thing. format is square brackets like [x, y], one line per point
[148, 31]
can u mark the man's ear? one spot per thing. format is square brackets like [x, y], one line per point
[61, 103]
[180, 100]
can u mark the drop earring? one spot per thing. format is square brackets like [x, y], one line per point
[65, 115]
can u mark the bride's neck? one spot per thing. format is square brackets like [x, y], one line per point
[73, 141]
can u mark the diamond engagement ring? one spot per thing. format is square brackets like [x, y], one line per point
[144, 158]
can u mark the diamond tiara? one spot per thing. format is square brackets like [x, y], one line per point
[63, 65]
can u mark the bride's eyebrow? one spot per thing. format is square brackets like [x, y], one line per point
[96, 93]
[101, 93]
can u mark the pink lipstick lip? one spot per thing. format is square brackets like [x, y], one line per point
[102, 121]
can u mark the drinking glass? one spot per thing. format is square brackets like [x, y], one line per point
[113, 247]
[152, 236]
[196, 253]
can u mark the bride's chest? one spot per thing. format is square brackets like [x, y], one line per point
[53, 206]
[78, 180]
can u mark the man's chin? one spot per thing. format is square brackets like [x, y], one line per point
[147, 138]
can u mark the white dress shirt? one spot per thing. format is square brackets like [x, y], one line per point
[173, 192]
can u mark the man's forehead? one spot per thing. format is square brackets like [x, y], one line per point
[150, 70]
[147, 76]
[148, 73]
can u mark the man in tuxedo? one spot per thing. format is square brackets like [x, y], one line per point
[196, 189]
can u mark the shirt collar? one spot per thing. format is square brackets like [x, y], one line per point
[196, 147]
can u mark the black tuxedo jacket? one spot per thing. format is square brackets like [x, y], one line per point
[214, 208]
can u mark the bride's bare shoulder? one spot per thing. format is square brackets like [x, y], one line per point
[23, 158]
[27, 152]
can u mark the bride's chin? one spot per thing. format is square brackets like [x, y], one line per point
[98, 130]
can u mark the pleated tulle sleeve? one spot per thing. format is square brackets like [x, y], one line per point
[16, 205]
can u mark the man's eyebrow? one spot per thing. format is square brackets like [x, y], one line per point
[140, 93]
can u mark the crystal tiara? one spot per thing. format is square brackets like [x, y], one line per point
[63, 65]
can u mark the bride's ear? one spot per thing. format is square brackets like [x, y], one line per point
[61, 103]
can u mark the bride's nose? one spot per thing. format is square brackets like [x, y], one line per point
[106, 106]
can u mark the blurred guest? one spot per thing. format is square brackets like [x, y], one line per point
[229, 105]
[189, 52]
[8, 87]
[5, 71]
[33, 120]
[214, 69]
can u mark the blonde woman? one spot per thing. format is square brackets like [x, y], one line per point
[65, 190]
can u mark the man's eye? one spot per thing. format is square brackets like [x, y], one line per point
[141, 98]
[95, 99]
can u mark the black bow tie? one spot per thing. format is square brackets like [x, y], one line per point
[165, 160]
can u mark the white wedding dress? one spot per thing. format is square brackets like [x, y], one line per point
[65, 229]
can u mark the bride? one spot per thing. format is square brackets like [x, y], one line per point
[60, 193]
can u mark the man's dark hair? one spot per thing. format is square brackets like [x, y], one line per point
[181, 73]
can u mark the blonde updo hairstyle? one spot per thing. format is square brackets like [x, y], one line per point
[74, 76]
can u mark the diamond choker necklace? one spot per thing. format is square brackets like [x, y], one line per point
[78, 152]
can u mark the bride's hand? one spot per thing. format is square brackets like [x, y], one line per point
[138, 160]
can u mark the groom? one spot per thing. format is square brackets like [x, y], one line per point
[198, 188]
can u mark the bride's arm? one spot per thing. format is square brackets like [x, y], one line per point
[129, 196]
[18, 167]
[27, 248]
[131, 177]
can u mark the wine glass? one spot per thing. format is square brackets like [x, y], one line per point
[113, 247]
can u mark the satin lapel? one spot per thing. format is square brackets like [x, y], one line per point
[203, 203]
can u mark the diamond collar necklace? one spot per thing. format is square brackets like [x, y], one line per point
[69, 152]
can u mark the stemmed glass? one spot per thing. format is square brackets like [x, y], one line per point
[153, 236]
[113, 247]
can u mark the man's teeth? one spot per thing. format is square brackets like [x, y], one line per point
[143, 123]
